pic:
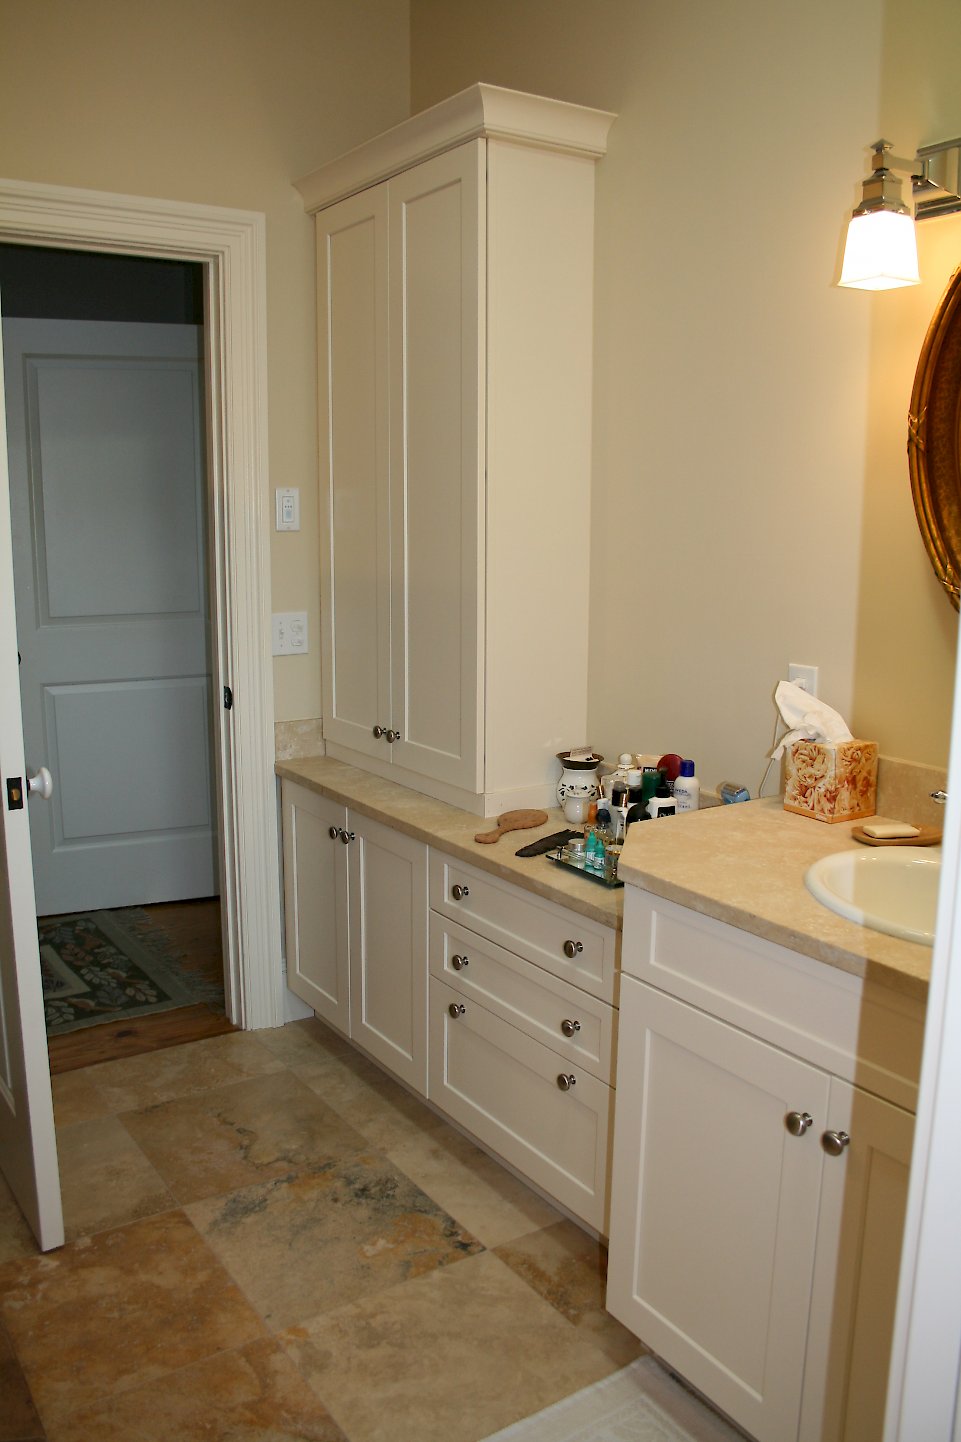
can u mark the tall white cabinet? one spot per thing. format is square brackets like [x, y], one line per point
[455, 280]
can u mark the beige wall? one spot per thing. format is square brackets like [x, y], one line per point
[225, 102]
[751, 495]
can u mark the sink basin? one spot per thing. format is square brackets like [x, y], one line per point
[892, 889]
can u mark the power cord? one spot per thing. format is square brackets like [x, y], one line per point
[778, 721]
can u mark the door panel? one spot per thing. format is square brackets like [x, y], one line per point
[355, 563]
[107, 495]
[863, 1203]
[28, 1148]
[315, 903]
[388, 947]
[720, 1291]
[437, 402]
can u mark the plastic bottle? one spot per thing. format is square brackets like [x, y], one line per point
[687, 789]
[603, 838]
[592, 840]
[662, 802]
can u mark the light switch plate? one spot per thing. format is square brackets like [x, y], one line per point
[288, 508]
[289, 633]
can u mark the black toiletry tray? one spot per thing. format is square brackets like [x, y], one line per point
[561, 860]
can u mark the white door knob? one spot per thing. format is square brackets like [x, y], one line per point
[41, 784]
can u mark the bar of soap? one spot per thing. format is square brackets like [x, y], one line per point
[890, 830]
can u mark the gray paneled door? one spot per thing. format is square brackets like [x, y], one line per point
[105, 429]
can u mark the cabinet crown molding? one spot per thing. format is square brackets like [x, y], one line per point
[479, 112]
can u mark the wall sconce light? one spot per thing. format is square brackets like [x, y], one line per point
[881, 251]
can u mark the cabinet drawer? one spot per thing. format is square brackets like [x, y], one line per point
[578, 1026]
[855, 1029]
[503, 1087]
[565, 943]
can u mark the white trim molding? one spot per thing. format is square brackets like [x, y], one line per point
[231, 245]
[479, 112]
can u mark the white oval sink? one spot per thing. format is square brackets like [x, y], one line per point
[892, 889]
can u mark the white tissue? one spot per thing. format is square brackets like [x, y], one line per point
[806, 718]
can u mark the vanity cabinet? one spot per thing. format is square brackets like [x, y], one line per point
[522, 1026]
[454, 282]
[355, 894]
[762, 1145]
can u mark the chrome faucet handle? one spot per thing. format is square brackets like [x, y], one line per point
[939, 796]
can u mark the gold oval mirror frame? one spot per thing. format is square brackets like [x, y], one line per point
[933, 440]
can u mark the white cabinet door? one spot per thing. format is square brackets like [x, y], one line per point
[315, 903]
[863, 1202]
[714, 1205]
[388, 947]
[353, 380]
[437, 466]
[401, 305]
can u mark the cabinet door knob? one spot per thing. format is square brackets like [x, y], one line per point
[459, 962]
[797, 1123]
[570, 1027]
[573, 948]
[393, 736]
[334, 832]
[566, 1080]
[456, 1009]
[379, 732]
[835, 1142]
[346, 837]
[459, 892]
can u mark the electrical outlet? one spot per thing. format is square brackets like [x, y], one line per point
[289, 633]
[804, 676]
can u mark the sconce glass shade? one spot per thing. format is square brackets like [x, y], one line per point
[881, 252]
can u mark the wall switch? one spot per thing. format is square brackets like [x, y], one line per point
[289, 633]
[804, 676]
[288, 508]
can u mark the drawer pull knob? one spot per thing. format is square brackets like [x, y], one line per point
[346, 836]
[570, 1027]
[797, 1123]
[459, 892]
[393, 736]
[334, 832]
[459, 962]
[456, 1009]
[573, 948]
[835, 1142]
[379, 732]
[566, 1080]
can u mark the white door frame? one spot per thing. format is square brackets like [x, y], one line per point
[231, 244]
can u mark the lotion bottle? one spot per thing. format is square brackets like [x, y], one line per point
[661, 803]
[687, 789]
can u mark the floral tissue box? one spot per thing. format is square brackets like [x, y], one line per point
[831, 781]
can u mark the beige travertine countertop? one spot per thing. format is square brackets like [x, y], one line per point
[453, 831]
[745, 864]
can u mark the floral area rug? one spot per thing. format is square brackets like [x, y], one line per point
[100, 966]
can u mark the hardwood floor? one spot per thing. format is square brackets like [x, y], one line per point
[193, 929]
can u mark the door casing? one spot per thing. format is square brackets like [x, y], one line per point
[231, 245]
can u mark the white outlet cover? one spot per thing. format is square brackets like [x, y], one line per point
[804, 676]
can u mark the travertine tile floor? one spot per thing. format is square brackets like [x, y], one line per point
[268, 1239]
